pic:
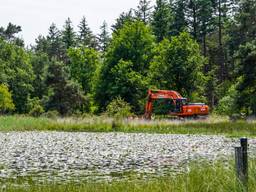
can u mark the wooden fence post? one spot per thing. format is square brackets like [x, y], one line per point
[241, 160]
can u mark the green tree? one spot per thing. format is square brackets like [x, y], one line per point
[246, 59]
[206, 21]
[143, 11]
[16, 72]
[245, 20]
[126, 65]
[180, 23]
[201, 20]
[104, 37]
[122, 19]
[42, 45]
[177, 65]
[40, 63]
[227, 104]
[85, 35]
[56, 46]
[83, 65]
[9, 34]
[161, 19]
[68, 34]
[6, 102]
[64, 96]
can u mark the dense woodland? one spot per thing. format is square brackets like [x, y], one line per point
[204, 49]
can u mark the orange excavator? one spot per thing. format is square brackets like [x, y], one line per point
[180, 107]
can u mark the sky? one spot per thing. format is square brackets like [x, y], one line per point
[35, 16]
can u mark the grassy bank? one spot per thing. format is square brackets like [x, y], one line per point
[219, 177]
[102, 124]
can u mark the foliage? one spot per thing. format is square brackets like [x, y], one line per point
[104, 37]
[68, 34]
[16, 72]
[6, 102]
[179, 24]
[65, 96]
[118, 108]
[55, 45]
[52, 114]
[144, 11]
[246, 58]
[10, 33]
[85, 36]
[35, 107]
[83, 65]
[177, 65]
[122, 19]
[161, 19]
[227, 104]
[36, 111]
[126, 65]
[40, 63]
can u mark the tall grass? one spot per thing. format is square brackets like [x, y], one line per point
[218, 177]
[103, 124]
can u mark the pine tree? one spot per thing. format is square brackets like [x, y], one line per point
[192, 13]
[42, 44]
[161, 20]
[86, 37]
[103, 37]
[122, 19]
[246, 57]
[143, 11]
[68, 34]
[179, 16]
[65, 96]
[201, 21]
[246, 20]
[206, 19]
[56, 47]
[9, 34]
[40, 63]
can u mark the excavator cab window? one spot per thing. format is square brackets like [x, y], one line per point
[179, 104]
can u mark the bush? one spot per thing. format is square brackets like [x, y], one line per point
[36, 111]
[119, 108]
[6, 102]
[227, 104]
[35, 107]
[52, 114]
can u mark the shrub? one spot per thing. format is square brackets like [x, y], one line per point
[34, 107]
[52, 114]
[119, 108]
[36, 111]
[6, 102]
[227, 104]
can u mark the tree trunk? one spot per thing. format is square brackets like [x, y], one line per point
[221, 52]
[194, 21]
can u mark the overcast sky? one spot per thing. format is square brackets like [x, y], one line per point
[35, 16]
